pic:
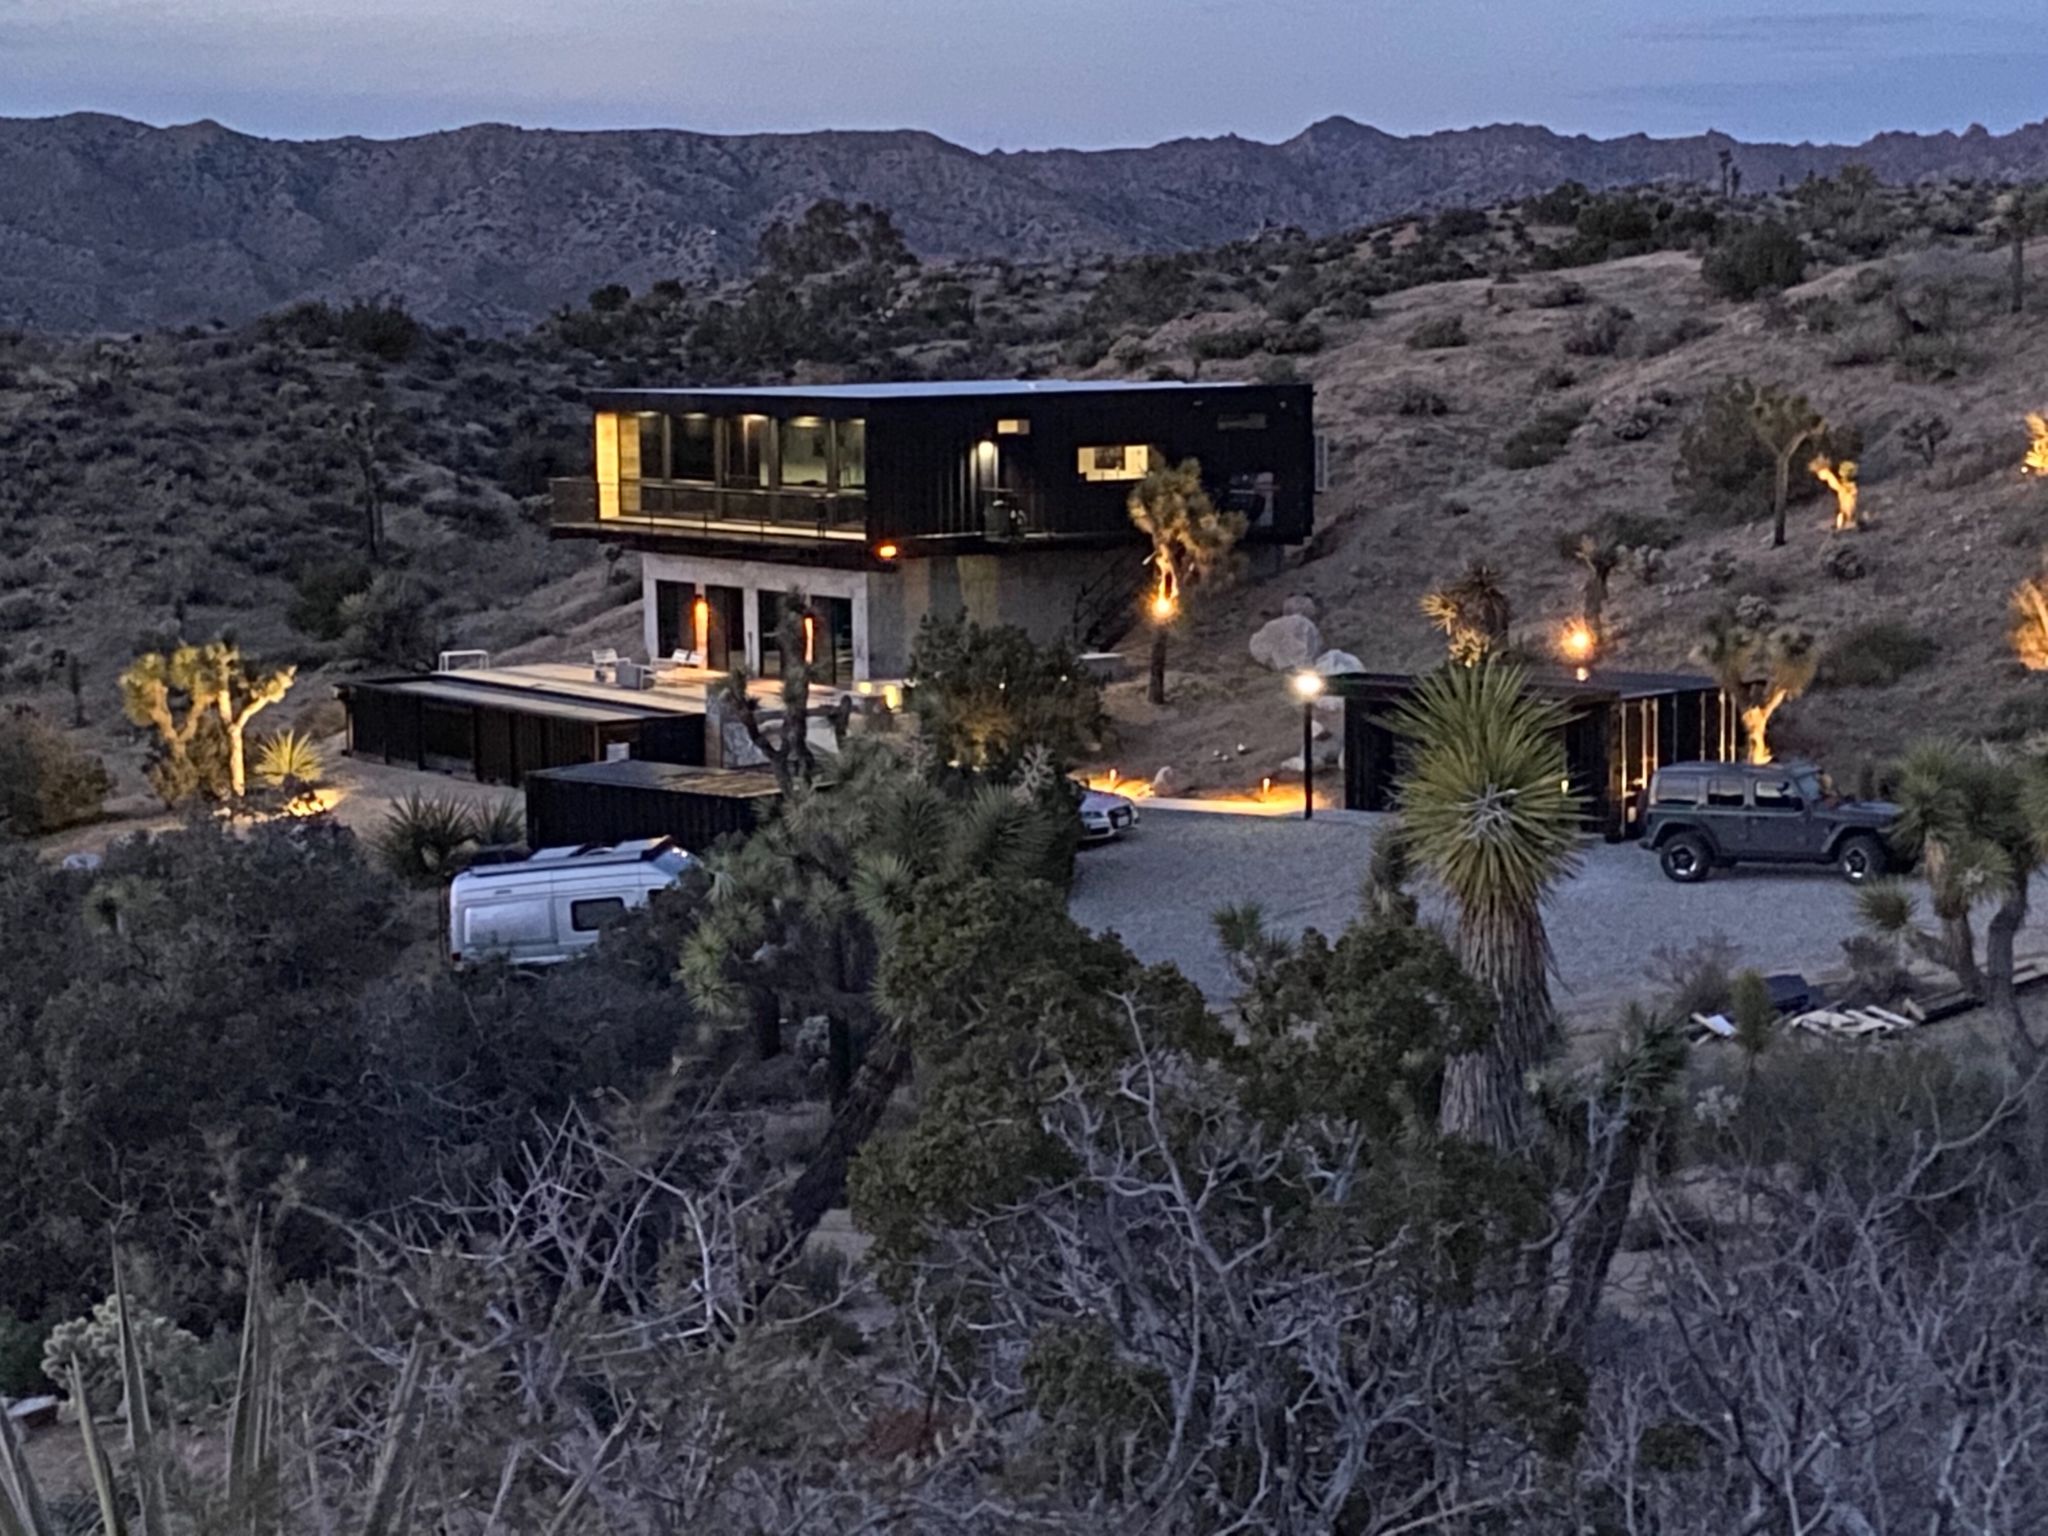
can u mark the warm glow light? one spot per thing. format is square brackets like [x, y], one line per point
[1841, 479]
[1307, 685]
[2037, 453]
[700, 626]
[892, 695]
[886, 551]
[1165, 595]
[1265, 788]
[810, 639]
[1113, 783]
[1583, 674]
[1576, 642]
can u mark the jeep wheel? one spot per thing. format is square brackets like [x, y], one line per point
[1685, 859]
[1860, 858]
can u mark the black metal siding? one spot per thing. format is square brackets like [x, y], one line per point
[564, 813]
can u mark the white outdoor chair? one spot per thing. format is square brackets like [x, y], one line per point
[604, 664]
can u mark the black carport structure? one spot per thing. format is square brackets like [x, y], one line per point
[1621, 727]
[619, 802]
[449, 723]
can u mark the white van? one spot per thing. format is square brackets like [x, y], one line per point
[553, 905]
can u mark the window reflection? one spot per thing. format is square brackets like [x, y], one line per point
[806, 452]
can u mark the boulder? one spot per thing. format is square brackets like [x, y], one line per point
[1287, 644]
[1301, 606]
[1327, 756]
[1167, 782]
[1337, 663]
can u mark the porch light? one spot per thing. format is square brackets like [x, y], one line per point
[887, 551]
[700, 626]
[1577, 643]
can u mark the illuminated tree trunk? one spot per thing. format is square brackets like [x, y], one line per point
[1156, 688]
[1756, 722]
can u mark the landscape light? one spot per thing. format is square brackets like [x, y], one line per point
[1308, 685]
[1577, 642]
[1163, 606]
[700, 627]
[886, 551]
[2037, 450]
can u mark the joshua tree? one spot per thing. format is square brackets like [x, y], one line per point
[1600, 553]
[213, 682]
[1784, 423]
[1760, 669]
[2023, 212]
[1487, 811]
[1192, 542]
[2029, 631]
[1473, 612]
[363, 432]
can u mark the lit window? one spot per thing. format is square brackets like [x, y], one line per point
[806, 452]
[853, 455]
[1117, 461]
[1013, 426]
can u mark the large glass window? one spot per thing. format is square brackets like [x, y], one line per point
[653, 457]
[806, 452]
[692, 447]
[746, 452]
[853, 455]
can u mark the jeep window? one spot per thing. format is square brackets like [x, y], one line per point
[1725, 792]
[1815, 788]
[1778, 795]
[1677, 789]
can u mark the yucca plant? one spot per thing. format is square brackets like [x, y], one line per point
[1487, 810]
[289, 759]
[493, 823]
[248, 1503]
[425, 838]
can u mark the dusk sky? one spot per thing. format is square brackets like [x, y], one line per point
[1029, 73]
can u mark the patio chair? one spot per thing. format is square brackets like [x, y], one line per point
[604, 664]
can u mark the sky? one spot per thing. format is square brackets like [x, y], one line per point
[1016, 74]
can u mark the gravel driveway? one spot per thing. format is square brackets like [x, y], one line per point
[1158, 888]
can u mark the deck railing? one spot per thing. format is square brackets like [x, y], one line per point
[651, 507]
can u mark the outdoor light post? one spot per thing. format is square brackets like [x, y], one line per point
[1308, 687]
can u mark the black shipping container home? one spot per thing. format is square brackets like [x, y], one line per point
[447, 723]
[1621, 727]
[1005, 500]
[619, 802]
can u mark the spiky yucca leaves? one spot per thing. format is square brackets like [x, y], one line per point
[428, 839]
[1487, 811]
[289, 758]
[1473, 612]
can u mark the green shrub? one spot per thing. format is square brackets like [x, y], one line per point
[1414, 399]
[1543, 441]
[1461, 224]
[1875, 655]
[47, 782]
[1438, 334]
[287, 759]
[1560, 293]
[1725, 474]
[1295, 340]
[320, 589]
[1759, 258]
[386, 623]
[174, 1361]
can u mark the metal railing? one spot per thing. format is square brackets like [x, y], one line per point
[647, 506]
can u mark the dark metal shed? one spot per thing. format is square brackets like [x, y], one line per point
[1621, 727]
[619, 801]
[497, 734]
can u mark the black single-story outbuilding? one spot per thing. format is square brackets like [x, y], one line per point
[498, 734]
[1622, 727]
[618, 802]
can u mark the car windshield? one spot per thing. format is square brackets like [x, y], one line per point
[1815, 787]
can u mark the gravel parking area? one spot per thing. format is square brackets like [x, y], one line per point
[1158, 887]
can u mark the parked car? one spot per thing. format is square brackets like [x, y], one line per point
[1104, 816]
[554, 904]
[1707, 816]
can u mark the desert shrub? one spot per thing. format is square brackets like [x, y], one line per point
[1656, 341]
[428, 839]
[1461, 224]
[1228, 345]
[1559, 293]
[1929, 357]
[1275, 370]
[1439, 333]
[1759, 258]
[1416, 399]
[386, 624]
[380, 328]
[610, 298]
[47, 782]
[174, 1361]
[1557, 207]
[1144, 293]
[1543, 441]
[531, 458]
[1556, 376]
[1875, 655]
[319, 590]
[1724, 472]
[23, 610]
[1597, 333]
[1295, 340]
[1863, 345]
[1699, 978]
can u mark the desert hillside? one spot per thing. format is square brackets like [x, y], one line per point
[1494, 383]
[112, 224]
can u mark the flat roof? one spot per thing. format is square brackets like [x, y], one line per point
[638, 773]
[1600, 683]
[937, 389]
[449, 688]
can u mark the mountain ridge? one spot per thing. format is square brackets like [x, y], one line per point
[107, 223]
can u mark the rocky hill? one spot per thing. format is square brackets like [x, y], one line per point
[111, 224]
[1493, 385]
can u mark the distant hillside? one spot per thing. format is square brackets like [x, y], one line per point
[110, 224]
